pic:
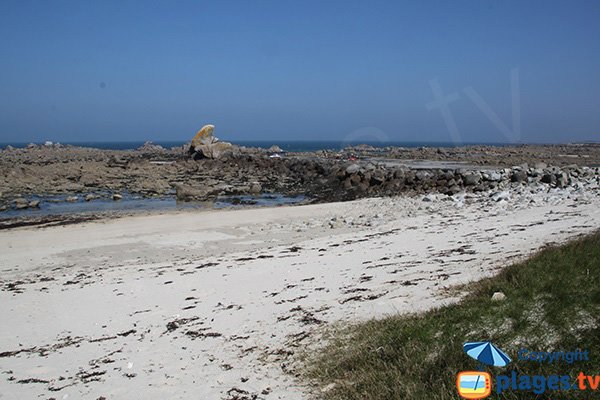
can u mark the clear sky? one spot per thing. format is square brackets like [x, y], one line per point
[291, 70]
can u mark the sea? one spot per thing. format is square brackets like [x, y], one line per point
[293, 146]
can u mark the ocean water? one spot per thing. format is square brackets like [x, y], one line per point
[286, 145]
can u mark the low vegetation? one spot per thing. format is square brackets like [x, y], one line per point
[552, 303]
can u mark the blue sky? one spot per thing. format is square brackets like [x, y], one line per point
[298, 70]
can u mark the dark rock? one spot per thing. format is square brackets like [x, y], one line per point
[518, 176]
[452, 190]
[352, 169]
[422, 175]
[472, 178]
[355, 179]
[548, 178]
[377, 177]
[562, 180]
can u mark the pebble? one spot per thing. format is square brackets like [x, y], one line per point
[498, 296]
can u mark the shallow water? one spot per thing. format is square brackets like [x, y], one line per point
[56, 205]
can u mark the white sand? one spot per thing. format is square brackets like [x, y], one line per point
[255, 286]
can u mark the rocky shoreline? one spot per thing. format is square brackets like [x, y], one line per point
[78, 174]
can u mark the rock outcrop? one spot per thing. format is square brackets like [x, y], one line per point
[149, 147]
[189, 193]
[206, 145]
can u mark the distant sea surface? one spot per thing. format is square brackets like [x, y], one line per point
[295, 146]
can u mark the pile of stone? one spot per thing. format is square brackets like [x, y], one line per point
[149, 147]
[371, 179]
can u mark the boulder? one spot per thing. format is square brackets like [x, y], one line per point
[499, 196]
[422, 175]
[562, 180]
[492, 176]
[430, 197]
[370, 167]
[377, 177]
[117, 196]
[255, 188]
[548, 178]
[362, 187]
[452, 190]
[149, 147]
[352, 169]
[399, 174]
[189, 193]
[535, 172]
[21, 203]
[519, 175]
[347, 183]
[34, 204]
[472, 178]
[498, 296]
[72, 199]
[447, 175]
[205, 145]
[214, 150]
[204, 136]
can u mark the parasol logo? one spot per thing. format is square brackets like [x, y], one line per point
[478, 384]
[487, 354]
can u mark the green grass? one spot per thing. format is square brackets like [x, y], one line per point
[553, 303]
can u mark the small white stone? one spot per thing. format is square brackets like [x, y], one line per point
[328, 388]
[498, 296]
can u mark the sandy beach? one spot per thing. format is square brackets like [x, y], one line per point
[218, 304]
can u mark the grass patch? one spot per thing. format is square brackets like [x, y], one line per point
[553, 303]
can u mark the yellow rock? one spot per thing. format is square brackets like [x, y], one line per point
[204, 136]
[205, 145]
